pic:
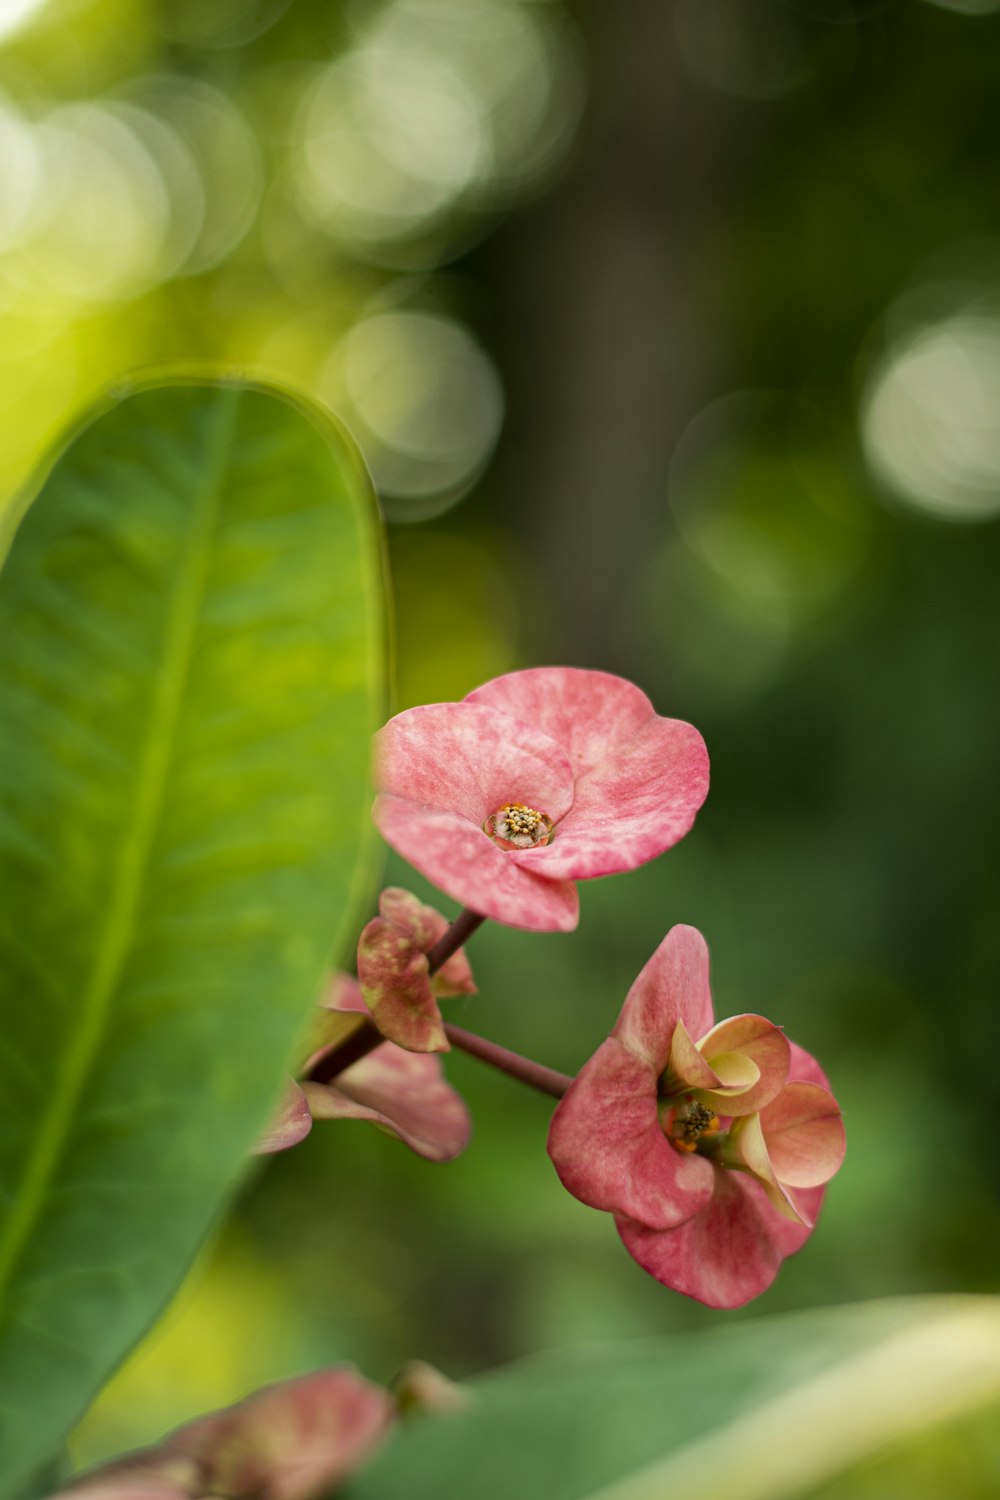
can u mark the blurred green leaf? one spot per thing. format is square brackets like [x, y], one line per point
[191, 619]
[47, 1479]
[753, 1411]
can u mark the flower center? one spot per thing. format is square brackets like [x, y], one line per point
[687, 1122]
[518, 827]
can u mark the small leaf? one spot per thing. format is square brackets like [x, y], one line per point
[396, 986]
[395, 977]
[190, 617]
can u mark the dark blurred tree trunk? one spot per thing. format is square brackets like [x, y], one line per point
[600, 343]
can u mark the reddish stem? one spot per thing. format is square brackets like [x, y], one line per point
[536, 1075]
[465, 924]
[351, 1050]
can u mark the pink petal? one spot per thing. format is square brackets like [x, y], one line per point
[469, 867]
[673, 986]
[340, 1013]
[454, 977]
[343, 995]
[764, 1044]
[403, 1092]
[426, 926]
[460, 758]
[290, 1441]
[608, 1147]
[746, 1146]
[805, 1135]
[581, 710]
[396, 988]
[803, 1068]
[729, 1252]
[291, 1124]
[640, 778]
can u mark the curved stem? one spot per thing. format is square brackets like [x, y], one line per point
[536, 1075]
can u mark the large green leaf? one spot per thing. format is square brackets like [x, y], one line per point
[190, 615]
[762, 1410]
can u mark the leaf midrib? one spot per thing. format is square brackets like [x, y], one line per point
[112, 948]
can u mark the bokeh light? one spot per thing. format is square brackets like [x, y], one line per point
[439, 104]
[426, 403]
[101, 200]
[105, 218]
[218, 183]
[387, 141]
[519, 61]
[220, 23]
[931, 417]
[760, 496]
[198, 179]
[17, 13]
[20, 174]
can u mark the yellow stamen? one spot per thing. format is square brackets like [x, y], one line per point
[519, 827]
[689, 1122]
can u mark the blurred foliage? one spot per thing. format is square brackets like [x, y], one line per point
[768, 1408]
[740, 320]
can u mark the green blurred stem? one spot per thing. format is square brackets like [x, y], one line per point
[367, 1036]
[536, 1075]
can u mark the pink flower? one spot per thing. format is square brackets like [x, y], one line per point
[393, 972]
[712, 1153]
[534, 781]
[291, 1441]
[404, 1093]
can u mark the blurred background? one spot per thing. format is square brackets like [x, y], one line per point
[671, 332]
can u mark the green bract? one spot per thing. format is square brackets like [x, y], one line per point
[190, 615]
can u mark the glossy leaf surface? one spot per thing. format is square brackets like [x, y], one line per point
[190, 614]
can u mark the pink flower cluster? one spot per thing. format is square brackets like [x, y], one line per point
[710, 1144]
